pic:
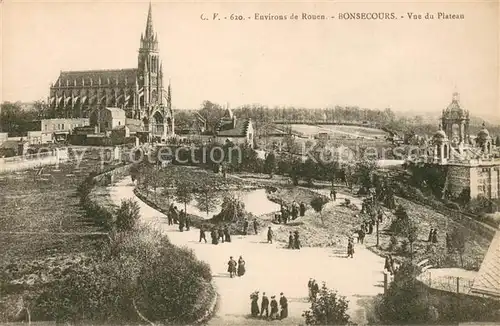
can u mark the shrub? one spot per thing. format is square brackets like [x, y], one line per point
[142, 273]
[329, 308]
[393, 243]
[405, 302]
[127, 215]
[317, 203]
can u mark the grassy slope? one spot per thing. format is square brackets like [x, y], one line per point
[41, 208]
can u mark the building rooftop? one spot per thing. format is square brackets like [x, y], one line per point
[225, 128]
[92, 77]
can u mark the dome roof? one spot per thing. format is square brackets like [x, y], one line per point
[454, 109]
[440, 134]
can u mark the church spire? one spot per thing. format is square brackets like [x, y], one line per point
[149, 25]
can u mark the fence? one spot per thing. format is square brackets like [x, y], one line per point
[448, 283]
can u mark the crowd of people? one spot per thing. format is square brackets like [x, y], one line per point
[269, 309]
[236, 268]
[175, 216]
[289, 212]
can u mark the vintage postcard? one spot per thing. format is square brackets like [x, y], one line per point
[348, 152]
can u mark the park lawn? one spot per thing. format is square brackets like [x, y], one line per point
[32, 209]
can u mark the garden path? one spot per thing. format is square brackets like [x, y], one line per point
[270, 268]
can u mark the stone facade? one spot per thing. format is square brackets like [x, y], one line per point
[458, 178]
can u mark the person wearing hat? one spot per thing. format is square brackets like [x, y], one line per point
[231, 267]
[254, 307]
[241, 266]
[264, 305]
[274, 308]
[284, 306]
[270, 235]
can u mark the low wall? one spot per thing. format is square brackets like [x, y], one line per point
[17, 163]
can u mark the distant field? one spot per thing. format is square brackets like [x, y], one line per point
[340, 131]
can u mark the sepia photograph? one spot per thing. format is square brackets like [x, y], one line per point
[348, 152]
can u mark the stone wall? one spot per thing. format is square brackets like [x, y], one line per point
[458, 179]
[23, 162]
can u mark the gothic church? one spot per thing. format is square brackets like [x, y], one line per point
[138, 91]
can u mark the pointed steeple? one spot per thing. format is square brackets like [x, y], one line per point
[149, 24]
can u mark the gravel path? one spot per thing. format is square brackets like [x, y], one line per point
[271, 269]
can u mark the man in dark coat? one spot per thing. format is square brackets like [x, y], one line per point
[215, 236]
[227, 235]
[361, 236]
[231, 267]
[255, 225]
[290, 241]
[284, 306]
[245, 227]
[264, 306]
[314, 290]
[269, 235]
[188, 221]
[202, 234]
[302, 209]
[296, 240]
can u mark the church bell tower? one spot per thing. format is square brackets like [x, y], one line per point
[152, 108]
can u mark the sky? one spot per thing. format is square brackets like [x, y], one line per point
[407, 65]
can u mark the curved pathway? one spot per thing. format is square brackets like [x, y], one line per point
[270, 268]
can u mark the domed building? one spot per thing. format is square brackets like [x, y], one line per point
[468, 162]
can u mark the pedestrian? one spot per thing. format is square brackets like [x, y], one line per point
[295, 212]
[388, 264]
[284, 306]
[241, 266]
[296, 240]
[255, 225]
[254, 306]
[215, 236]
[333, 195]
[434, 236]
[290, 241]
[245, 227]
[202, 234]
[231, 267]
[309, 287]
[269, 235]
[176, 215]
[370, 227]
[188, 221]
[181, 221]
[315, 290]
[274, 308]
[221, 234]
[302, 209]
[350, 248]
[361, 236]
[227, 235]
[264, 305]
[431, 232]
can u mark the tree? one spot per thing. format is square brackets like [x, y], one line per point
[406, 301]
[410, 231]
[457, 243]
[329, 308]
[207, 199]
[497, 140]
[270, 164]
[127, 215]
[317, 203]
[232, 209]
[184, 193]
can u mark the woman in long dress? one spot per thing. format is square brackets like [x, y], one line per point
[241, 266]
[274, 308]
[254, 308]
